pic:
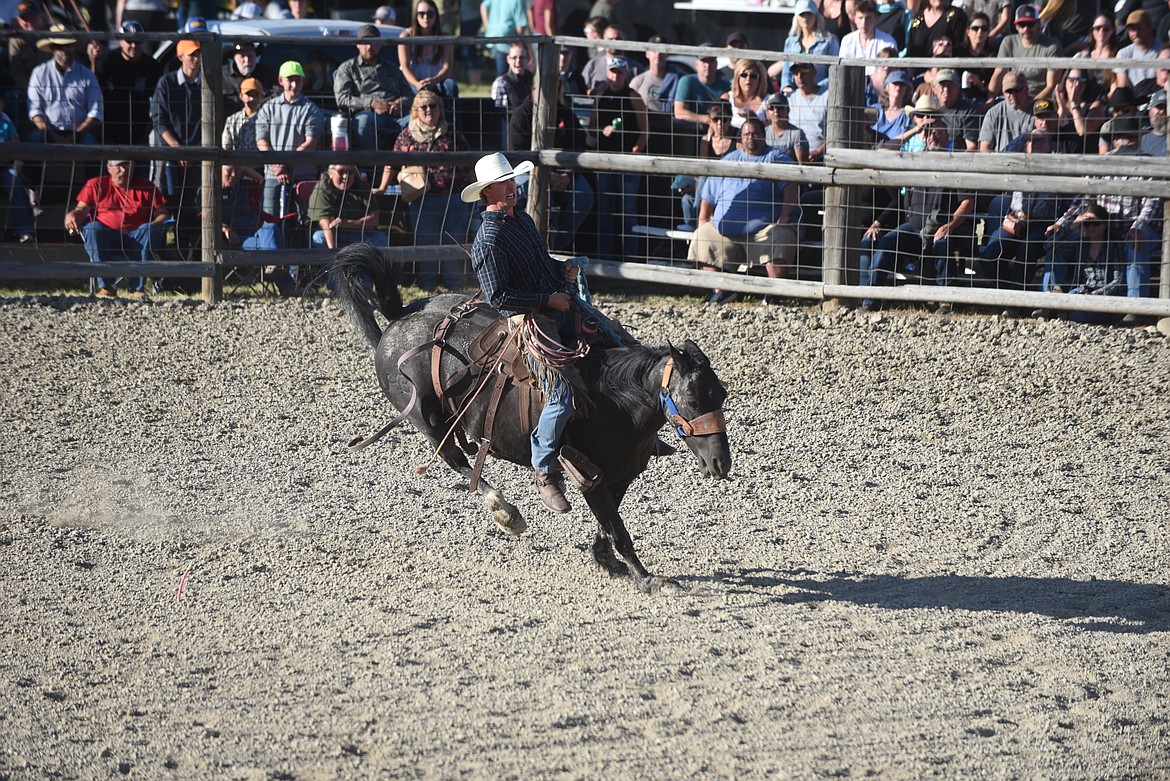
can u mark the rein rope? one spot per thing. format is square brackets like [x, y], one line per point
[547, 349]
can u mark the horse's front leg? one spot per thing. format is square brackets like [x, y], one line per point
[612, 530]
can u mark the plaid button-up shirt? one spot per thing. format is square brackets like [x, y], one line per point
[512, 263]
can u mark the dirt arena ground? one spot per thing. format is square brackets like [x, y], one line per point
[944, 553]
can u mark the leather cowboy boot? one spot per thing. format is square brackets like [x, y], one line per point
[549, 488]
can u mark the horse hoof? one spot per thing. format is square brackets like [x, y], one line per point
[506, 516]
[656, 584]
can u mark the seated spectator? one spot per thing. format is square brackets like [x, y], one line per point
[807, 36]
[1011, 253]
[717, 144]
[657, 83]
[935, 20]
[1102, 45]
[1153, 141]
[977, 42]
[958, 112]
[65, 101]
[1028, 43]
[19, 210]
[924, 115]
[747, 220]
[1142, 46]
[288, 123]
[697, 91]
[594, 72]
[344, 211]
[1091, 263]
[875, 83]
[426, 65]
[867, 39]
[243, 226]
[244, 64]
[781, 134]
[239, 132]
[809, 109]
[373, 93]
[929, 221]
[1137, 216]
[437, 216]
[1122, 103]
[514, 86]
[569, 191]
[119, 215]
[1008, 119]
[127, 77]
[749, 92]
[835, 18]
[621, 127]
[892, 127]
[1080, 106]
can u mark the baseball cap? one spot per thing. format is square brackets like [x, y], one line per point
[777, 99]
[132, 27]
[251, 85]
[1123, 126]
[1122, 97]
[707, 45]
[617, 64]
[656, 39]
[805, 7]
[1027, 13]
[291, 68]
[184, 48]
[196, 24]
[369, 31]
[27, 8]
[386, 13]
[1043, 108]
[1012, 80]
[1157, 99]
[737, 38]
[947, 74]
[1136, 18]
[898, 77]
[243, 46]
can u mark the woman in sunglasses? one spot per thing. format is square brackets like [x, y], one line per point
[749, 92]
[1080, 108]
[425, 65]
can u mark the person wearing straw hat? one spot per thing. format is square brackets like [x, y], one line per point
[519, 277]
[65, 101]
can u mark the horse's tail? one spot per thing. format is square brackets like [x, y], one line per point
[366, 281]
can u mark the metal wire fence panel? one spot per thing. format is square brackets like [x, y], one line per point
[878, 180]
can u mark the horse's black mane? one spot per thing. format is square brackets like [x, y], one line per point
[625, 379]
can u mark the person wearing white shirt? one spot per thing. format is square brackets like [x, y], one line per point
[867, 40]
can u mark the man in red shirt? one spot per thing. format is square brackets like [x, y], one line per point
[119, 215]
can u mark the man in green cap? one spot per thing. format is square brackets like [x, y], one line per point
[288, 123]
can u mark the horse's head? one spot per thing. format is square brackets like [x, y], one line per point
[692, 399]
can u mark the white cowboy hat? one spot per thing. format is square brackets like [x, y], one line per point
[491, 169]
[61, 40]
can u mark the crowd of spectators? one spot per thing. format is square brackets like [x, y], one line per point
[614, 101]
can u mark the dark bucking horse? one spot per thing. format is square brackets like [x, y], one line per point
[633, 390]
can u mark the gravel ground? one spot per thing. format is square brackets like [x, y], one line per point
[943, 554]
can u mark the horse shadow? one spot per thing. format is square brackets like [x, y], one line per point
[1091, 605]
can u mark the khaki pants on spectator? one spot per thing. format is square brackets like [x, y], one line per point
[771, 243]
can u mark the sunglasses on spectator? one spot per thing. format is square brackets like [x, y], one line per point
[978, 28]
[424, 13]
[1025, 24]
[1015, 89]
[1092, 223]
[1102, 27]
[1077, 79]
[749, 75]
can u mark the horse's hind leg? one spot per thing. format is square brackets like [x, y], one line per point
[504, 513]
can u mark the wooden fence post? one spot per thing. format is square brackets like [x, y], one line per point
[543, 120]
[843, 130]
[211, 200]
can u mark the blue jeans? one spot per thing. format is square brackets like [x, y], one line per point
[432, 218]
[371, 130]
[1012, 258]
[617, 195]
[266, 238]
[1138, 269]
[20, 216]
[102, 244]
[558, 404]
[345, 238]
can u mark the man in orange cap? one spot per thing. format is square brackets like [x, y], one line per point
[176, 111]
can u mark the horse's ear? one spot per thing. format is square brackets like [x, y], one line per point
[694, 354]
[681, 361]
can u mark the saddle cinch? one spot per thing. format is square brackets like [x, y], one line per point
[498, 351]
